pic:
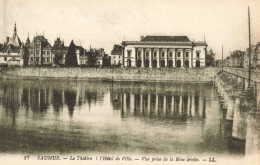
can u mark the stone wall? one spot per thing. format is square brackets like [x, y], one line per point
[206, 74]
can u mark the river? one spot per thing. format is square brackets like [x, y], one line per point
[96, 116]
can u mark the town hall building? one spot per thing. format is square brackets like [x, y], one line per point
[164, 51]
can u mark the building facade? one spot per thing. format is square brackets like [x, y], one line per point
[81, 56]
[164, 51]
[40, 52]
[59, 50]
[11, 52]
[255, 56]
[237, 59]
[116, 55]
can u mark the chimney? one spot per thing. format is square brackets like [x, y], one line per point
[142, 37]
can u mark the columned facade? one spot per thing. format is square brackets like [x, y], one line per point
[164, 54]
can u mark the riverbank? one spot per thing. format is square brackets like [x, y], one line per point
[144, 74]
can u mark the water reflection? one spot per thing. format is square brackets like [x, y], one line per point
[122, 116]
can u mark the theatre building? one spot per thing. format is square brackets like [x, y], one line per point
[164, 51]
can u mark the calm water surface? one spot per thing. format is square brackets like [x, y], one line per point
[65, 116]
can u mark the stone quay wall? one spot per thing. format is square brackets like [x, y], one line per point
[158, 74]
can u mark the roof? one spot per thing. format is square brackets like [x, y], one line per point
[117, 50]
[44, 42]
[166, 38]
[14, 49]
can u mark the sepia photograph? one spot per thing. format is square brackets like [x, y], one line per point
[130, 82]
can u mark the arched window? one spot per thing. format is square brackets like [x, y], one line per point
[197, 63]
[170, 63]
[187, 63]
[178, 63]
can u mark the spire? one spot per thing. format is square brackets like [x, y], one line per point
[15, 31]
[28, 40]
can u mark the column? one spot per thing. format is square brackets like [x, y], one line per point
[151, 62]
[143, 60]
[190, 63]
[123, 58]
[192, 57]
[136, 50]
[159, 58]
[175, 59]
[167, 54]
[183, 57]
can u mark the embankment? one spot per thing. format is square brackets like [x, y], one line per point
[144, 74]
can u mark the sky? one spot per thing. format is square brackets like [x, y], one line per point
[103, 23]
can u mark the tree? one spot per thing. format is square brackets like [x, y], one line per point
[25, 56]
[210, 58]
[92, 57]
[71, 57]
[57, 59]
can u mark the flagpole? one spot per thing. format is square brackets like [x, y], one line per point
[249, 67]
[222, 59]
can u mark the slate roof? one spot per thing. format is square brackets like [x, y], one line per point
[166, 38]
[44, 42]
[117, 50]
[14, 49]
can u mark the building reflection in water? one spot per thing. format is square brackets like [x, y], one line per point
[168, 104]
[162, 102]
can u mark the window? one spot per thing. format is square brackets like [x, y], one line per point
[9, 51]
[147, 54]
[179, 54]
[5, 58]
[114, 57]
[155, 54]
[114, 62]
[37, 59]
[163, 53]
[37, 52]
[129, 53]
[139, 53]
[170, 54]
[31, 52]
[187, 54]
[37, 46]
[31, 58]
[48, 59]
[48, 52]
[119, 57]
[198, 54]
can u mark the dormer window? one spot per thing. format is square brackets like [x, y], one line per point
[9, 51]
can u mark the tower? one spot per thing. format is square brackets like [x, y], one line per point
[27, 40]
[15, 30]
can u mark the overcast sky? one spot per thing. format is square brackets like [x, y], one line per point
[103, 23]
